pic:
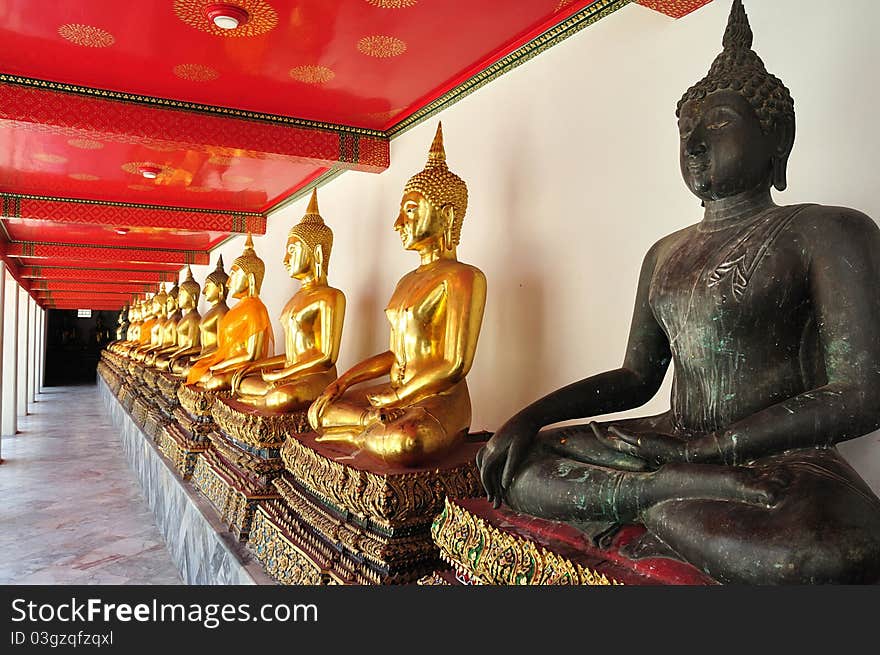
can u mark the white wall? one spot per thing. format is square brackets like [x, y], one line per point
[572, 166]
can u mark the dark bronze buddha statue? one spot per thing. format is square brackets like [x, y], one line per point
[770, 316]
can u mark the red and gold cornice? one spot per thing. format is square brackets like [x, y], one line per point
[72, 210]
[92, 286]
[82, 113]
[674, 8]
[96, 275]
[58, 252]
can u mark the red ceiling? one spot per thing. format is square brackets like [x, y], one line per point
[236, 121]
[351, 62]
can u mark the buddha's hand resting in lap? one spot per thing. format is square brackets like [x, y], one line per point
[500, 458]
[654, 448]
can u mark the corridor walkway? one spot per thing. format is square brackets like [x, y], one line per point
[71, 511]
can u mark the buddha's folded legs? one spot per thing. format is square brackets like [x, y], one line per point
[217, 381]
[571, 475]
[418, 432]
[825, 527]
[296, 394]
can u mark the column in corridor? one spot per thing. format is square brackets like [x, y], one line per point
[32, 349]
[22, 391]
[9, 411]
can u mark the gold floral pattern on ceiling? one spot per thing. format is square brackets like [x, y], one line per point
[87, 36]
[395, 4]
[141, 187]
[674, 8]
[85, 144]
[381, 46]
[262, 17]
[195, 72]
[199, 189]
[47, 158]
[84, 177]
[312, 74]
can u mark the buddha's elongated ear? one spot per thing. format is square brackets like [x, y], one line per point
[784, 142]
[318, 257]
[252, 284]
[448, 213]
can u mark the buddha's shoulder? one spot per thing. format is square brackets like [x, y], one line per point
[453, 269]
[828, 221]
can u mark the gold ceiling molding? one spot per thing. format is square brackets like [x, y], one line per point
[195, 72]
[84, 177]
[47, 158]
[395, 4]
[85, 144]
[86, 35]
[381, 46]
[142, 187]
[220, 160]
[262, 17]
[6, 196]
[312, 74]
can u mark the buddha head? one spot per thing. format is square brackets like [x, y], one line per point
[215, 284]
[189, 291]
[433, 205]
[171, 300]
[308, 245]
[246, 273]
[158, 302]
[737, 123]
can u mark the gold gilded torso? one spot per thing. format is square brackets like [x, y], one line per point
[418, 313]
[188, 333]
[208, 327]
[169, 329]
[302, 322]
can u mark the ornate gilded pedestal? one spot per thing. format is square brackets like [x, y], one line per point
[501, 547]
[347, 519]
[186, 437]
[237, 471]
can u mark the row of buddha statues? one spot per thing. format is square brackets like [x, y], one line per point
[769, 316]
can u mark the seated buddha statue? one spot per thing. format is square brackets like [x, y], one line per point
[168, 338]
[423, 411]
[121, 325]
[151, 328]
[187, 328]
[205, 342]
[244, 334]
[770, 317]
[127, 334]
[312, 321]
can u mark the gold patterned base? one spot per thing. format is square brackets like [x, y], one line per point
[255, 428]
[180, 449]
[356, 520]
[233, 496]
[487, 554]
[197, 401]
[286, 562]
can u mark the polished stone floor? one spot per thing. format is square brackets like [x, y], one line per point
[71, 510]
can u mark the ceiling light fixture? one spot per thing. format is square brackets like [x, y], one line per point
[226, 17]
[121, 230]
[149, 171]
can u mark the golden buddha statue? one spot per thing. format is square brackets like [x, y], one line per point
[121, 324]
[187, 327]
[168, 336]
[435, 313]
[244, 334]
[128, 336]
[150, 333]
[312, 321]
[205, 343]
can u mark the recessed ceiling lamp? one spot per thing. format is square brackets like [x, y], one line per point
[121, 230]
[149, 171]
[226, 17]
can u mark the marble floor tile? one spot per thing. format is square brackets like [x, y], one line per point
[71, 509]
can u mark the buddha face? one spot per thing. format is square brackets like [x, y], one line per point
[170, 305]
[297, 258]
[723, 150]
[213, 292]
[238, 282]
[185, 300]
[419, 224]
